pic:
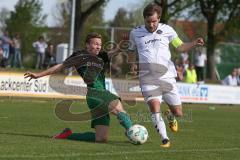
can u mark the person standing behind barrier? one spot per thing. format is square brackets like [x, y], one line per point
[40, 48]
[5, 46]
[184, 60]
[1, 54]
[231, 79]
[200, 61]
[17, 55]
[50, 59]
[180, 69]
[190, 75]
[11, 55]
[238, 76]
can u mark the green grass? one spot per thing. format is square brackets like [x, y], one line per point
[209, 132]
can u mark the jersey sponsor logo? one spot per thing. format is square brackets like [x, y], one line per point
[152, 41]
[94, 64]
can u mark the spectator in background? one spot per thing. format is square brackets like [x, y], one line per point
[190, 75]
[6, 47]
[1, 53]
[116, 65]
[238, 76]
[200, 61]
[11, 55]
[50, 59]
[1, 56]
[184, 59]
[40, 48]
[117, 59]
[180, 70]
[231, 79]
[17, 47]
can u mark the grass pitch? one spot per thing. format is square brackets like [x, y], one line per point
[208, 132]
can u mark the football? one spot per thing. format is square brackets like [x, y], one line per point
[137, 134]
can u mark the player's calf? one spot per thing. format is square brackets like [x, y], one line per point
[178, 114]
[101, 133]
[117, 109]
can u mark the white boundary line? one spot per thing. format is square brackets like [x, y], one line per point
[121, 153]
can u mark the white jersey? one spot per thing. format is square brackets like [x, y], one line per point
[200, 59]
[40, 46]
[153, 48]
[230, 80]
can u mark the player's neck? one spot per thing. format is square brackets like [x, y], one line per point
[150, 30]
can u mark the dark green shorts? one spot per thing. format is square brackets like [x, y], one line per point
[98, 102]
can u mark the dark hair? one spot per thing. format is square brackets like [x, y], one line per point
[40, 37]
[91, 36]
[152, 8]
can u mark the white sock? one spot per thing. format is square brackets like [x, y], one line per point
[159, 125]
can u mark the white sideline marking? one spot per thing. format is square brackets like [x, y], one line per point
[119, 153]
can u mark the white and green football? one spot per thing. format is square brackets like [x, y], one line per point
[137, 134]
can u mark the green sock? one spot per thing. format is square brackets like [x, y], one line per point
[87, 136]
[124, 120]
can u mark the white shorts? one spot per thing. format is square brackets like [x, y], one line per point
[166, 91]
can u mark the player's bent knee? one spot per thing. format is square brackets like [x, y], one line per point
[119, 108]
[116, 106]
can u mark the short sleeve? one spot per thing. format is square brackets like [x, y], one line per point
[173, 38]
[172, 34]
[74, 59]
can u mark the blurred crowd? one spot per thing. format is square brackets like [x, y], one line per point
[194, 72]
[11, 55]
[191, 71]
[10, 51]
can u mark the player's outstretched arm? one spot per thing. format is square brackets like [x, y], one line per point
[49, 71]
[185, 47]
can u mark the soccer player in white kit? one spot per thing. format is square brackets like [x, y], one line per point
[156, 70]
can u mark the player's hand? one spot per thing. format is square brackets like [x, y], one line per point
[133, 69]
[31, 75]
[199, 42]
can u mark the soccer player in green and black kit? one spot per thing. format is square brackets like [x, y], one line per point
[90, 63]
